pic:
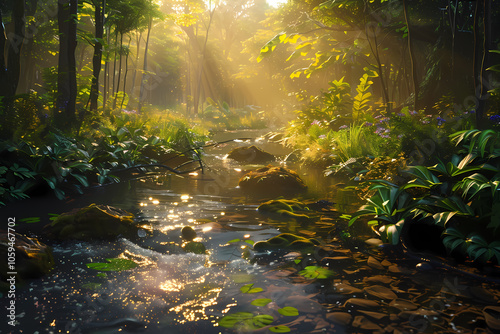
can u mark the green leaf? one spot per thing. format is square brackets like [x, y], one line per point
[113, 265]
[250, 242]
[262, 320]
[250, 289]
[246, 320]
[30, 220]
[314, 272]
[261, 302]
[82, 179]
[280, 329]
[233, 241]
[289, 311]
[91, 286]
[229, 321]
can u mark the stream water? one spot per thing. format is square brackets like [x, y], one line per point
[175, 292]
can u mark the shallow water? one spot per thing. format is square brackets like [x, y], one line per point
[174, 292]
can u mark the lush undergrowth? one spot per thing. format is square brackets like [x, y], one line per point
[460, 195]
[63, 162]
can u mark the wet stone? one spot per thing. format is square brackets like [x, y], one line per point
[363, 323]
[346, 289]
[374, 242]
[403, 305]
[386, 263]
[399, 270]
[361, 303]
[418, 313]
[483, 295]
[381, 292]
[341, 318]
[378, 279]
[374, 263]
[492, 316]
[375, 315]
[467, 319]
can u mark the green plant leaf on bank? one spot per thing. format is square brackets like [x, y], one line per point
[246, 321]
[280, 329]
[30, 220]
[250, 289]
[229, 321]
[261, 302]
[315, 272]
[289, 311]
[115, 264]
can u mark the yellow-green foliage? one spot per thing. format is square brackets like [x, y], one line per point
[286, 241]
[93, 222]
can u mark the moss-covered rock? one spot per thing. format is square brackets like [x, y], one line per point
[272, 181]
[286, 209]
[33, 259]
[195, 247]
[250, 155]
[188, 233]
[286, 241]
[93, 222]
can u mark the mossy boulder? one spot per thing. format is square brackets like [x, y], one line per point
[272, 181]
[250, 155]
[188, 233]
[286, 241]
[33, 259]
[286, 209]
[194, 247]
[93, 222]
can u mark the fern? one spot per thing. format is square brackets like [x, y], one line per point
[362, 100]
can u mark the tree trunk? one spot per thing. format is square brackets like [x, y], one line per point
[97, 60]
[132, 90]
[413, 64]
[143, 80]
[119, 71]
[126, 72]
[106, 75]
[10, 68]
[482, 94]
[200, 74]
[113, 90]
[66, 84]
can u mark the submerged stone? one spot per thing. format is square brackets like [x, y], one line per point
[250, 155]
[361, 303]
[33, 259]
[286, 209]
[93, 222]
[381, 292]
[272, 181]
[364, 324]
[492, 316]
[188, 233]
[286, 241]
[195, 248]
[340, 318]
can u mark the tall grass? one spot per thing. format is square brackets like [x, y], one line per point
[356, 141]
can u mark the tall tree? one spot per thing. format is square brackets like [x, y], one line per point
[10, 68]
[100, 10]
[67, 17]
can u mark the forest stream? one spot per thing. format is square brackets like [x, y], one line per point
[358, 287]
